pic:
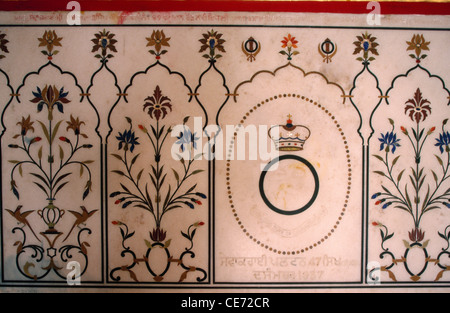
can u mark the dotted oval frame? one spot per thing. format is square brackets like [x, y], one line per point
[349, 184]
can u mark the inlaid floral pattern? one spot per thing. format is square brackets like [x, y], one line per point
[366, 44]
[50, 157]
[415, 196]
[290, 43]
[157, 106]
[104, 41]
[418, 44]
[110, 163]
[418, 108]
[50, 40]
[157, 41]
[157, 197]
[50, 96]
[212, 41]
[3, 45]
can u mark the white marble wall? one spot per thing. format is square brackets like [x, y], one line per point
[331, 142]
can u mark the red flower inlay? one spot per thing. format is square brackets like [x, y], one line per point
[418, 108]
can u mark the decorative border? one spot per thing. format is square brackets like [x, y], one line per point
[235, 93]
[344, 7]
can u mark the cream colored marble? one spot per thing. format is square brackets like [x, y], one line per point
[144, 91]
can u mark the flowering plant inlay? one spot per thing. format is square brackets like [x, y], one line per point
[50, 40]
[50, 162]
[158, 40]
[415, 196]
[157, 197]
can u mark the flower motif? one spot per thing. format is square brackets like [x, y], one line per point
[367, 44]
[416, 235]
[26, 125]
[187, 138]
[50, 40]
[418, 43]
[35, 139]
[289, 42]
[157, 104]
[126, 139]
[104, 40]
[158, 40]
[389, 140]
[75, 125]
[212, 40]
[443, 141]
[50, 96]
[158, 235]
[418, 107]
[64, 139]
[3, 46]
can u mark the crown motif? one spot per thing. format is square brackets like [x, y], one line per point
[290, 137]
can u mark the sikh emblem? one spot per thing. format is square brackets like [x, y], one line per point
[251, 48]
[327, 50]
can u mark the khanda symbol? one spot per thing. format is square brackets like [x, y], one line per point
[251, 48]
[327, 50]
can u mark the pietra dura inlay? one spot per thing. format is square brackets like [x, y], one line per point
[304, 150]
